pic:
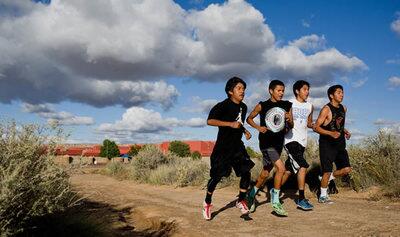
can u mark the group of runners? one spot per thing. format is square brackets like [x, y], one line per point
[282, 125]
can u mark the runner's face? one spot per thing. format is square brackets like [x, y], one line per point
[237, 94]
[303, 92]
[277, 93]
[338, 96]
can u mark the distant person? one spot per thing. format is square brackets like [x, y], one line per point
[229, 151]
[296, 140]
[332, 140]
[271, 141]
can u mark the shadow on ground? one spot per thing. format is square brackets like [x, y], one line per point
[94, 219]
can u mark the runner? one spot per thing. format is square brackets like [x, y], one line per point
[271, 141]
[229, 151]
[332, 140]
[296, 140]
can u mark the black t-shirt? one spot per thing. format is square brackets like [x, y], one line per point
[271, 139]
[229, 140]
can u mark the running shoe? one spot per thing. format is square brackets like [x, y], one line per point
[207, 211]
[325, 200]
[242, 205]
[278, 209]
[304, 205]
[251, 200]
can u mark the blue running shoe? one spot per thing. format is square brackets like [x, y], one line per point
[325, 200]
[304, 205]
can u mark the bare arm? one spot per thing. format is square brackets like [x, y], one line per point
[252, 115]
[309, 119]
[289, 118]
[320, 120]
[347, 134]
[219, 123]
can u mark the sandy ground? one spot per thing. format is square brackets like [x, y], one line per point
[144, 205]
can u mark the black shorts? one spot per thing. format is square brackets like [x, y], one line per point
[330, 153]
[295, 159]
[270, 156]
[222, 163]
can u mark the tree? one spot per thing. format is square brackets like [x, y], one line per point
[109, 149]
[179, 148]
[134, 150]
[196, 155]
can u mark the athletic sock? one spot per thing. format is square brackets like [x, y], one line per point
[324, 192]
[301, 194]
[253, 191]
[331, 177]
[242, 196]
[276, 195]
[208, 198]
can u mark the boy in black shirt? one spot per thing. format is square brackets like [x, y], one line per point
[229, 151]
[271, 141]
[332, 140]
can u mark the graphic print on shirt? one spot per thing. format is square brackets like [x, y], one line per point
[239, 117]
[300, 114]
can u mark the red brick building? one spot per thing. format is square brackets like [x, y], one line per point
[204, 147]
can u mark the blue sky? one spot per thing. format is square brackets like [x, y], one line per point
[149, 71]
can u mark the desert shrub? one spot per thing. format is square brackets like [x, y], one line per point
[31, 184]
[148, 159]
[252, 153]
[180, 148]
[196, 155]
[376, 161]
[109, 149]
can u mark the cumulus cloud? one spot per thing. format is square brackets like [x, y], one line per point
[394, 81]
[64, 118]
[141, 120]
[359, 83]
[107, 52]
[395, 25]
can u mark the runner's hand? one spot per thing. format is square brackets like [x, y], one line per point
[335, 134]
[235, 124]
[262, 129]
[247, 134]
[347, 134]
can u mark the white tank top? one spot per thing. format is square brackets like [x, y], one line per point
[300, 112]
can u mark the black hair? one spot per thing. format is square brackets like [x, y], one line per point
[298, 85]
[232, 82]
[274, 83]
[332, 90]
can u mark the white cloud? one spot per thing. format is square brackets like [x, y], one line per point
[64, 118]
[141, 120]
[200, 106]
[305, 23]
[393, 61]
[359, 83]
[395, 25]
[107, 52]
[309, 42]
[394, 81]
[381, 121]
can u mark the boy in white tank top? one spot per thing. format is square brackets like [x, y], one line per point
[296, 140]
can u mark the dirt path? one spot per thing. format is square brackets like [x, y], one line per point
[350, 215]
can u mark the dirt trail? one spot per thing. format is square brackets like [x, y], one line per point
[350, 215]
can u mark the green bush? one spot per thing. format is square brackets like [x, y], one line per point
[134, 150]
[196, 155]
[180, 148]
[31, 184]
[252, 153]
[109, 149]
